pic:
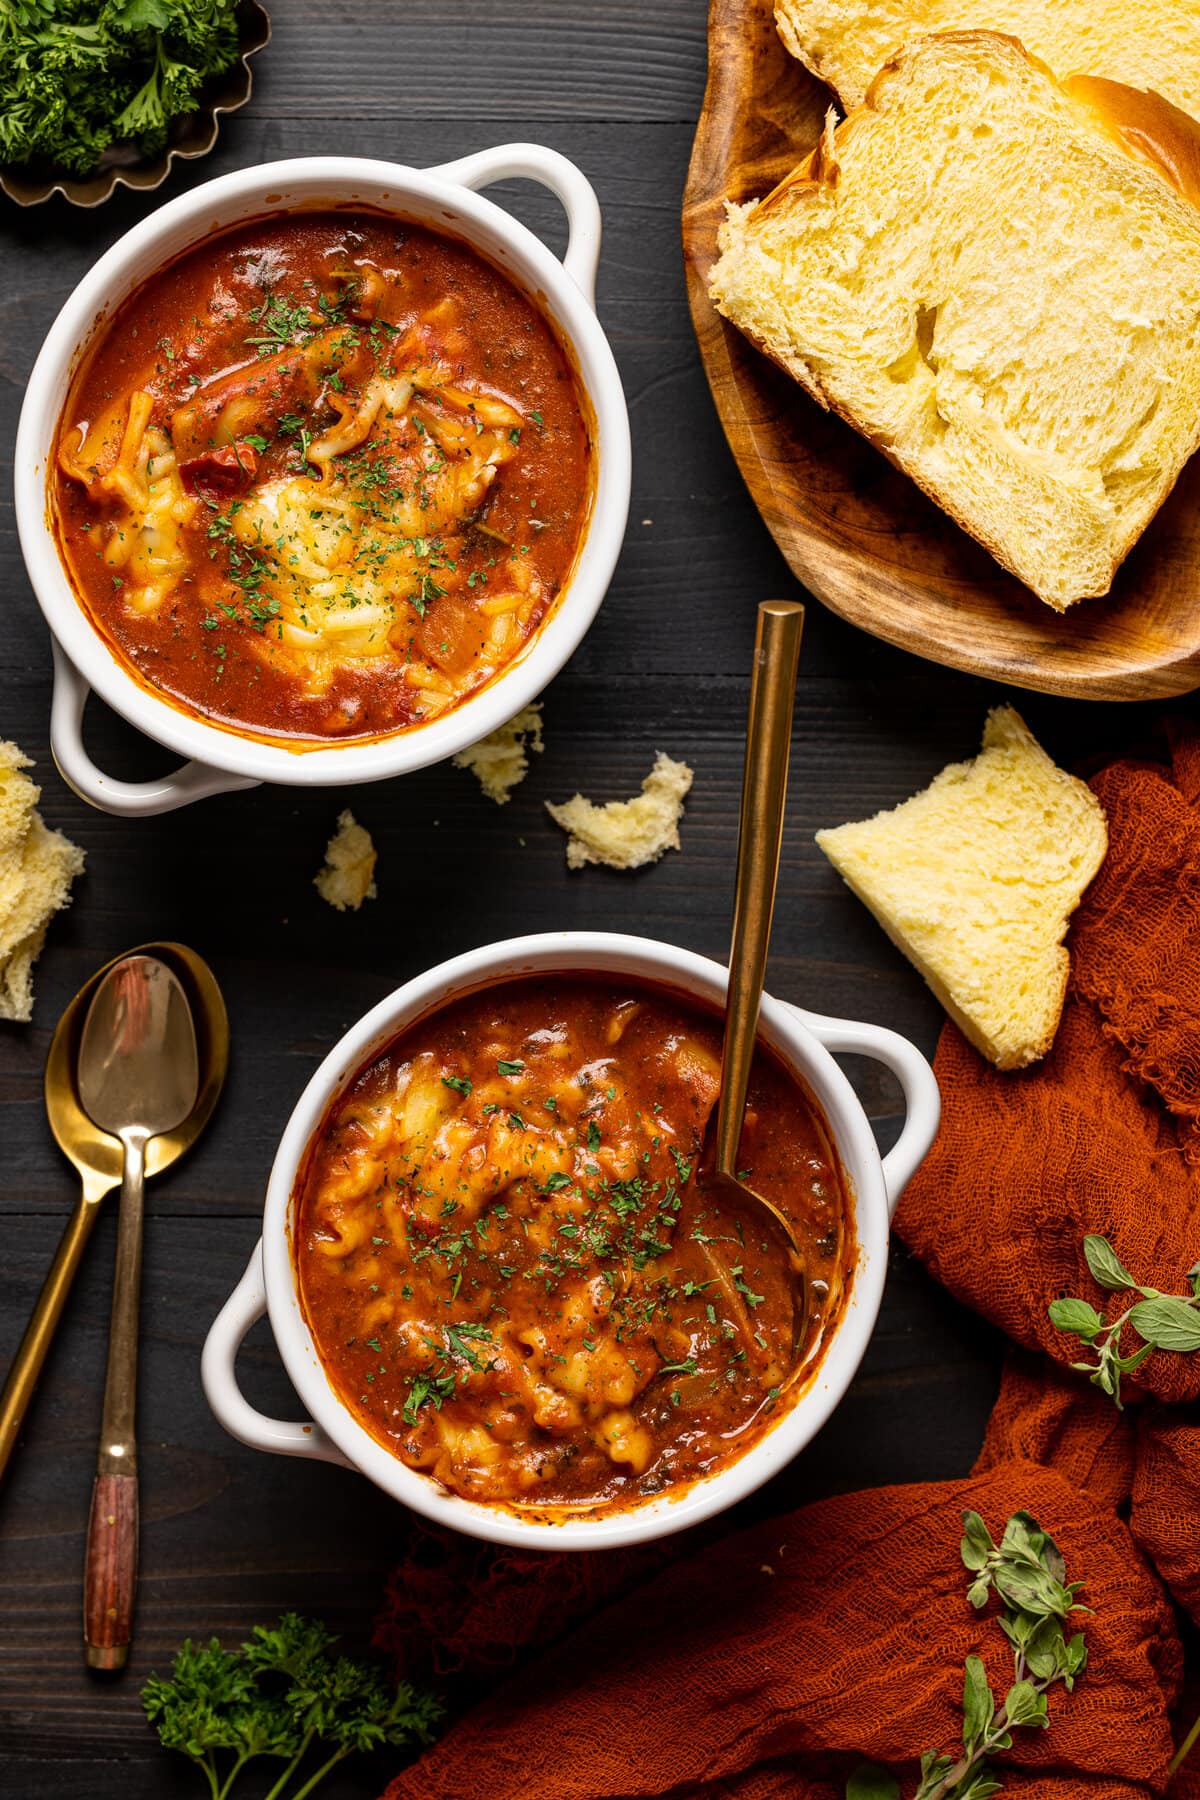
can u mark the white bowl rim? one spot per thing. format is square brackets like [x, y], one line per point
[793, 1034]
[216, 205]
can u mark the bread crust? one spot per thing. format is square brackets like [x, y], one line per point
[1146, 126]
[1143, 125]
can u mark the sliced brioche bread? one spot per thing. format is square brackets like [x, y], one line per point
[975, 880]
[996, 277]
[1157, 45]
[37, 867]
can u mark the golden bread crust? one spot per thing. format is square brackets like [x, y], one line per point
[1145, 125]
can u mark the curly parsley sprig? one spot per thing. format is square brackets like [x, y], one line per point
[77, 76]
[1027, 1574]
[284, 1695]
[1162, 1321]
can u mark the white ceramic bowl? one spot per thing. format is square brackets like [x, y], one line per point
[442, 198]
[804, 1040]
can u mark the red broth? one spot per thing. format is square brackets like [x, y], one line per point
[323, 477]
[512, 1277]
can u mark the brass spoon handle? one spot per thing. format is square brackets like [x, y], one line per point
[110, 1568]
[760, 838]
[39, 1333]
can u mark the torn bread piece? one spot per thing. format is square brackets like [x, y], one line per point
[846, 42]
[501, 762]
[37, 867]
[994, 276]
[626, 834]
[976, 878]
[348, 877]
[18, 796]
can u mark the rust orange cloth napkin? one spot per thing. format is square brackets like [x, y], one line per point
[776, 1661]
[1104, 1136]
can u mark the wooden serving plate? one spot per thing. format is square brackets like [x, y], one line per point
[856, 532]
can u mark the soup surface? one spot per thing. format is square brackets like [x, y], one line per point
[323, 477]
[510, 1272]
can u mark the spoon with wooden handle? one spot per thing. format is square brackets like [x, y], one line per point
[97, 1159]
[138, 1076]
[760, 837]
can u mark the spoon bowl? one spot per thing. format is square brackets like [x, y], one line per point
[96, 1154]
[139, 1069]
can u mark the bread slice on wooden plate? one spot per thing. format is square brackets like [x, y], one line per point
[995, 277]
[1152, 44]
[975, 880]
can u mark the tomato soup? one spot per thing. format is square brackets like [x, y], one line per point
[515, 1280]
[323, 477]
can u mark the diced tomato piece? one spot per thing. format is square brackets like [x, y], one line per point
[216, 474]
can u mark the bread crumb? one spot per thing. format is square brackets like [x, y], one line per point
[626, 834]
[501, 761]
[975, 880]
[37, 867]
[348, 877]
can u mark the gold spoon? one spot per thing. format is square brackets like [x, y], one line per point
[760, 838]
[139, 1075]
[97, 1157]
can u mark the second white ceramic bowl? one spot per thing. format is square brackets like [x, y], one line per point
[443, 199]
[806, 1042]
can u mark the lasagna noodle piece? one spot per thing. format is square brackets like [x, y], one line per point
[626, 834]
[501, 762]
[348, 876]
[350, 564]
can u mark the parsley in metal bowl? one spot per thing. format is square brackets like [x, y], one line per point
[96, 92]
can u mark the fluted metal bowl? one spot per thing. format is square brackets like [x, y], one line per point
[190, 135]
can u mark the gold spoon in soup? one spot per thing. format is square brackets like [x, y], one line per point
[97, 1158]
[760, 837]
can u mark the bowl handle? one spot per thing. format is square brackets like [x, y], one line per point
[218, 1374]
[922, 1097]
[533, 162]
[129, 799]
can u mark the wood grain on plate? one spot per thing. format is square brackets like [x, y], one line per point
[856, 531]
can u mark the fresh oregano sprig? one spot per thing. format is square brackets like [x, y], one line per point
[1162, 1321]
[1027, 1574]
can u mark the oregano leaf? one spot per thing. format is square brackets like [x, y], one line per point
[977, 1543]
[978, 1705]
[1023, 1705]
[1105, 1265]
[1168, 1322]
[1076, 1316]
[980, 1786]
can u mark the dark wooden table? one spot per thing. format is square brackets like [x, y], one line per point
[231, 1537]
